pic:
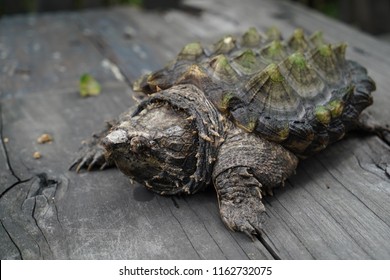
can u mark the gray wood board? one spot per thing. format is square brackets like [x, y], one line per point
[335, 207]
[99, 215]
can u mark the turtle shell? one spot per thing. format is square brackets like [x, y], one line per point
[300, 92]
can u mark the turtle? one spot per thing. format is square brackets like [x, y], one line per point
[239, 115]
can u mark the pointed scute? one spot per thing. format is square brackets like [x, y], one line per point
[224, 45]
[317, 38]
[274, 51]
[302, 77]
[274, 73]
[246, 58]
[324, 60]
[323, 115]
[191, 51]
[193, 75]
[269, 92]
[222, 70]
[273, 33]
[247, 62]
[298, 41]
[301, 92]
[139, 84]
[251, 38]
[339, 51]
[155, 81]
[298, 60]
[336, 108]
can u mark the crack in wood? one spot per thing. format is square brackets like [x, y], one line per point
[233, 235]
[281, 218]
[4, 146]
[268, 247]
[353, 194]
[56, 208]
[13, 185]
[339, 223]
[205, 227]
[12, 240]
[175, 202]
[40, 230]
[378, 166]
[185, 233]
[8, 161]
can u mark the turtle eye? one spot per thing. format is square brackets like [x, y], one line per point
[139, 144]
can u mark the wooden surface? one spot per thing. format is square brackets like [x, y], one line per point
[337, 206]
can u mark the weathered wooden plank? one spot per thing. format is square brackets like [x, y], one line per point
[27, 213]
[96, 215]
[335, 207]
[43, 54]
[342, 199]
[7, 177]
[356, 228]
[132, 62]
[326, 242]
[90, 219]
[352, 176]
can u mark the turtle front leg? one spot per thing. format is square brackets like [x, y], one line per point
[91, 154]
[248, 167]
[239, 197]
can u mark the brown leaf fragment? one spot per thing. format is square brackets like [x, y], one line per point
[44, 138]
[37, 155]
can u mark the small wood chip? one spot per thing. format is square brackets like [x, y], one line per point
[44, 138]
[37, 155]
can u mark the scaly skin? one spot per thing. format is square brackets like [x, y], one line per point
[92, 152]
[174, 146]
[248, 166]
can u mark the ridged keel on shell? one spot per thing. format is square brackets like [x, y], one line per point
[300, 92]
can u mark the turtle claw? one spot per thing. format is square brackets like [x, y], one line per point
[246, 216]
[250, 235]
[104, 166]
[98, 160]
[91, 156]
[240, 205]
[74, 164]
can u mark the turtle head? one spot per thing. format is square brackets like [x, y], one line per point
[156, 148]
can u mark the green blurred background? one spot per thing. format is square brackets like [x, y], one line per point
[368, 15]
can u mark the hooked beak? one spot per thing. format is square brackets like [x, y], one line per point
[119, 139]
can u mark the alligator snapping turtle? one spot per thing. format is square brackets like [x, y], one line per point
[239, 115]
